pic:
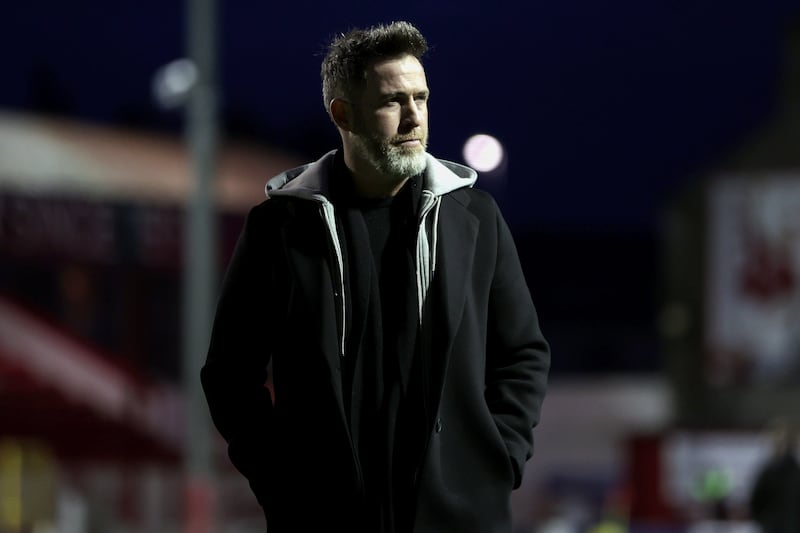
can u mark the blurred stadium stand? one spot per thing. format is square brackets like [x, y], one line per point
[91, 222]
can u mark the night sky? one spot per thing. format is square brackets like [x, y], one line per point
[605, 108]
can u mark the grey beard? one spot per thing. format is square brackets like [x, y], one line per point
[391, 160]
[402, 165]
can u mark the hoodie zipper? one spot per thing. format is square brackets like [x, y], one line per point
[328, 217]
[326, 210]
[427, 243]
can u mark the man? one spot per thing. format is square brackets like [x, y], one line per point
[775, 495]
[386, 298]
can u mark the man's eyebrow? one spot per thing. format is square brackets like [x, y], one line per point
[395, 94]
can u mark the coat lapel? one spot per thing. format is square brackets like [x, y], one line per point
[458, 232]
[313, 300]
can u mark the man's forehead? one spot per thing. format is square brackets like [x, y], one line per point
[400, 71]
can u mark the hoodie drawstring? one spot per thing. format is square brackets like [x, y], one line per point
[426, 248]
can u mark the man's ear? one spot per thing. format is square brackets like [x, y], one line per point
[342, 114]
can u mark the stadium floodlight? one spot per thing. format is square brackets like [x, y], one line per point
[173, 82]
[483, 152]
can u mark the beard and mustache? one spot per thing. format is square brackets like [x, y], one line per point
[389, 157]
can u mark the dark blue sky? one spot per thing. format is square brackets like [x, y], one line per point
[604, 107]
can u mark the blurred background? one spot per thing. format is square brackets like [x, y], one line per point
[647, 158]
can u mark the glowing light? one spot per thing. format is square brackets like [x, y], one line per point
[483, 152]
[172, 82]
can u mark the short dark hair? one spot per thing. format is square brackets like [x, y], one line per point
[350, 54]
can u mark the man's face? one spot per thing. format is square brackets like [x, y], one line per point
[391, 117]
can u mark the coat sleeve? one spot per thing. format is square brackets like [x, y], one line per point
[234, 376]
[518, 356]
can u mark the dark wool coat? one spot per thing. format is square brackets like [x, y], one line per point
[281, 309]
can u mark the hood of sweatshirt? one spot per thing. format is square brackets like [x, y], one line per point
[312, 181]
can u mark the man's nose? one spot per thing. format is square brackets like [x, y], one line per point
[412, 116]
